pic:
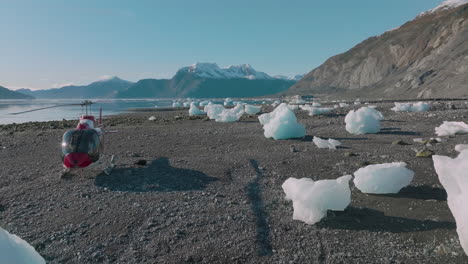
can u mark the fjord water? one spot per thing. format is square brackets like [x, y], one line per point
[109, 107]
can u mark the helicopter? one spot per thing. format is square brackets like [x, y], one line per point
[83, 146]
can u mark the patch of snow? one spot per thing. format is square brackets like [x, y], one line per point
[195, 111]
[450, 128]
[383, 178]
[330, 143]
[213, 71]
[408, 107]
[363, 121]
[453, 176]
[447, 4]
[281, 124]
[15, 250]
[311, 199]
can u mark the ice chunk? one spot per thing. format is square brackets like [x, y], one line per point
[152, 118]
[214, 110]
[186, 104]
[383, 178]
[461, 147]
[177, 104]
[343, 105]
[275, 103]
[409, 107]
[453, 175]
[315, 110]
[204, 103]
[316, 104]
[281, 124]
[194, 110]
[418, 140]
[251, 109]
[330, 143]
[293, 107]
[363, 121]
[230, 115]
[15, 250]
[311, 200]
[449, 128]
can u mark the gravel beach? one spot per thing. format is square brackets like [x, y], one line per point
[211, 192]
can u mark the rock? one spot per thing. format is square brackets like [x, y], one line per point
[292, 148]
[349, 154]
[425, 153]
[400, 142]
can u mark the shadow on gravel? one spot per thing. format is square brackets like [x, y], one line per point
[397, 131]
[424, 192]
[354, 218]
[256, 201]
[350, 138]
[158, 176]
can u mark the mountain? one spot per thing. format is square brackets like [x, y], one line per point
[425, 57]
[9, 94]
[213, 71]
[107, 88]
[207, 80]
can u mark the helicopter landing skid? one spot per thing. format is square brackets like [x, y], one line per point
[111, 166]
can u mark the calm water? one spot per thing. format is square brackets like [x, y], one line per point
[109, 107]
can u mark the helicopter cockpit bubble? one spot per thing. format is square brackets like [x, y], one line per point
[84, 141]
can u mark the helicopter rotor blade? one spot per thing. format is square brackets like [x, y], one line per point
[42, 108]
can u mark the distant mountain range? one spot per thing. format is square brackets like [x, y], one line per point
[426, 57]
[201, 80]
[107, 88]
[9, 94]
[207, 80]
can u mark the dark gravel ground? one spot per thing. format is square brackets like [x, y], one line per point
[211, 193]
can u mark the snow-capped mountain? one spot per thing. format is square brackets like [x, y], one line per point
[284, 77]
[213, 71]
[447, 4]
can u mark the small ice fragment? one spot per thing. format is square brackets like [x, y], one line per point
[461, 147]
[418, 140]
[311, 199]
[152, 118]
[409, 107]
[194, 110]
[251, 109]
[450, 128]
[330, 143]
[383, 178]
[281, 124]
[363, 121]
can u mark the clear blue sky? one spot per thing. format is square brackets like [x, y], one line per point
[47, 43]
